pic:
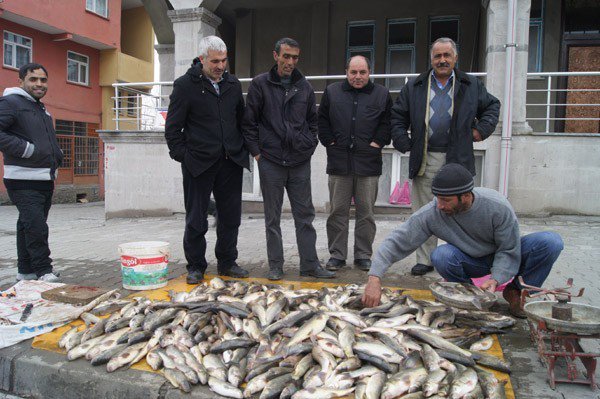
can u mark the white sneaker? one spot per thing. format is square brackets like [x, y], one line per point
[26, 276]
[50, 278]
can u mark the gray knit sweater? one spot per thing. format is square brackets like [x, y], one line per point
[489, 227]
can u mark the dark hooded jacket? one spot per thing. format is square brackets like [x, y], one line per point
[474, 107]
[202, 126]
[28, 141]
[281, 125]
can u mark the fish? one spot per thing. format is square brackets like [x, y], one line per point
[431, 385]
[460, 293]
[492, 362]
[312, 327]
[177, 379]
[224, 389]
[491, 387]
[322, 393]
[375, 385]
[378, 349]
[464, 384]
[482, 345]
[274, 387]
[405, 381]
[124, 357]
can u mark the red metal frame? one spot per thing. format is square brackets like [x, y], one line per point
[553, 345]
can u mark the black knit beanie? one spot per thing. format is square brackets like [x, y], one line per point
[452, 179]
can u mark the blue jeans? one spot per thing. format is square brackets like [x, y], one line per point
[539, 251]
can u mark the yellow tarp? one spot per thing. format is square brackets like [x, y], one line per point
[50, 340]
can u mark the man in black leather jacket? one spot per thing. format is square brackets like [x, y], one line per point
[32, 157]
[203, 133]
[280, 128]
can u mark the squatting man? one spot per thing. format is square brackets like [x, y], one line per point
[482, 235]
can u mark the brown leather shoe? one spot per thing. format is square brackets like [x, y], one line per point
[512, 295]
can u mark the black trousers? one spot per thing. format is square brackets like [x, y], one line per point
[33, 251]
[224, 180]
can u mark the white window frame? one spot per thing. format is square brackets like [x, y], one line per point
[14, 46]
[79, 63]
[95, 7]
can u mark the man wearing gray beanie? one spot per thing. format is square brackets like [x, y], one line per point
[482, 235]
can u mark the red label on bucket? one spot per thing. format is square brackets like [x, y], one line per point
[131, 261]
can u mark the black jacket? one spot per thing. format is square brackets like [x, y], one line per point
[474, 107]
[281, 126]
[351, 119]
[201, 125]
[27, 138]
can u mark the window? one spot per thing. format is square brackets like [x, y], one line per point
[400, 50]
[77, 68]
[445, 27]
[99, 7]
[17, 50]
[79, 143]
[536, 36]
[361, 40]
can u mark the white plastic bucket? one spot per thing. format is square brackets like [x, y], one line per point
[144, 264]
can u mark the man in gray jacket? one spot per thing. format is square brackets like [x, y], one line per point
[482, 233]
[31, 161]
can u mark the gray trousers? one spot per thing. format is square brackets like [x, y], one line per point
[341, 191]
[274, 178]
[421, 195]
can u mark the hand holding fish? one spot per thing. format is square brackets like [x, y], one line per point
[490, 285]
[372, 295]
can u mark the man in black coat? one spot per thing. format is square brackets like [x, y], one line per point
[354, 125]
[203, 133]
[446, 111]
[31, 161]
[280, 128]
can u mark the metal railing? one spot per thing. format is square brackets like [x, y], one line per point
[556, 102]
[564, 102]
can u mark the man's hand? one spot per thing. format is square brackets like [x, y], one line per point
[476, 135]
[372, 295]
[489, 285]
[257, 157]
[374, 144]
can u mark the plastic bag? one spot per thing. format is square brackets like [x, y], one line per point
[401, 194]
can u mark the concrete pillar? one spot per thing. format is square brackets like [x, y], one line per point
[190, 25]
[166, 59]
[495, 65]
[496, 56]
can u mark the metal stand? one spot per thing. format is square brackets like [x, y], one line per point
[553, 345]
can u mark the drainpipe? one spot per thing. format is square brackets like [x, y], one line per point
[505, 142]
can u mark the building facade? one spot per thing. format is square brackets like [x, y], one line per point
[99, 43]
[552, 158]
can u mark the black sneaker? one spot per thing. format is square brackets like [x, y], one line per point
[319, 272]
[275, 273]
[334, 264]
[363, 264]
[194, 277]
[420, 269]
[234, 271]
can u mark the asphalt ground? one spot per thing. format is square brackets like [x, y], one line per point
[84, 249]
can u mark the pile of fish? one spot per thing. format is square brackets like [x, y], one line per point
[251, 340]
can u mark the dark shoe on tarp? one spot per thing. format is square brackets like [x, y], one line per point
[334, 264]
[420, 269]
[363, 264]
[233, 271]
[319, 272]
[275, 273]
[512, 295]
[194, 277]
